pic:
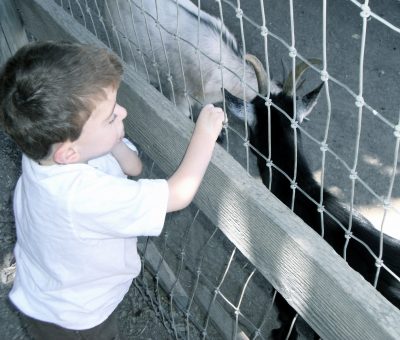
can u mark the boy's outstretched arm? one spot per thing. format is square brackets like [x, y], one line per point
[184, 183]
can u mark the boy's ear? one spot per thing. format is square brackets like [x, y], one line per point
[66, 153]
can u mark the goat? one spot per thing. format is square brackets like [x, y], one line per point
[184, 42]
[283, 155]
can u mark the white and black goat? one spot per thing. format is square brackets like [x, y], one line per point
[282, 150]
[173, 42]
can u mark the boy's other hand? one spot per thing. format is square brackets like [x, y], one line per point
[127, 158]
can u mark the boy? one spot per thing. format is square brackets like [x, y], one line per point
[77, 215]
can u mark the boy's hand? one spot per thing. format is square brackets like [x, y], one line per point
[185, 181]
[128, 159]
[210, 121]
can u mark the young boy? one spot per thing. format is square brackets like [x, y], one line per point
[77, 214]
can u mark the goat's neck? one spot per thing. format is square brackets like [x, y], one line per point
[285, 150]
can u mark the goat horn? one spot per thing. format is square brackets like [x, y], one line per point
[261, 75]
[287, 87]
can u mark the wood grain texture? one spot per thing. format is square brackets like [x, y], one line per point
[12, 34]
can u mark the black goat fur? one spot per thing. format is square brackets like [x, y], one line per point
[283, 156]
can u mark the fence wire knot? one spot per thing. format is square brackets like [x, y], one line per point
[292, 52]
[397, 131]
[359, 101]
[321, 208]
[269, 163]
[239, 13]
[294, 124]
[348, 235]
[246, 143]
[353, 175]
[324, 75]
[379, 263]
[324, 147]
[264, 31]
[366, 11]
[386, 204]
[293, 186]
[268, 102]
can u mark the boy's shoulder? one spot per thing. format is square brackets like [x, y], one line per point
[61, 180]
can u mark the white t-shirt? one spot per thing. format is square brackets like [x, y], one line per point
[76, 238]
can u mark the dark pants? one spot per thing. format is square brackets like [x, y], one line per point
[40, 330]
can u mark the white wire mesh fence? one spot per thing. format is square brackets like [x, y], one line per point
[154, 38]
[128, 41]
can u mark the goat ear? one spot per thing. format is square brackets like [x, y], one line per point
[306, 104]
[237, 107]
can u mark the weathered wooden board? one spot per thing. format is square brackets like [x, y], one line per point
[12, 34]
[329, 295]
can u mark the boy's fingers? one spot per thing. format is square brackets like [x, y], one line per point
[218, 110]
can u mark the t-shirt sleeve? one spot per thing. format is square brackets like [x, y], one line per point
[117, 207]
[130, 145]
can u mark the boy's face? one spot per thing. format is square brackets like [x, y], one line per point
[103, 130]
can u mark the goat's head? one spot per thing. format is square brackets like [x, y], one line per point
[257, 110]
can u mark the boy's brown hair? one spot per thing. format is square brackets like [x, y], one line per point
[49, 89]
